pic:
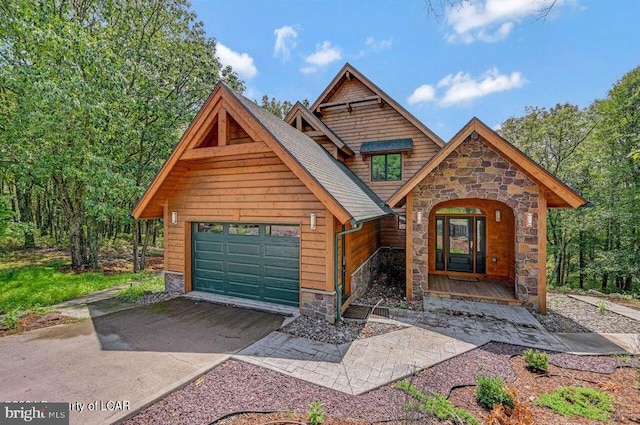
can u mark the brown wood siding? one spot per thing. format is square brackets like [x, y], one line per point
[371, 122]
[390, 234]
[253, 188]
[237, 134]
[360, 246]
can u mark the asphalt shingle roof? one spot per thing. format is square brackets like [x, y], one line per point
[337, 180]
[396, 145]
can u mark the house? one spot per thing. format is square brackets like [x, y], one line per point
[303, 211]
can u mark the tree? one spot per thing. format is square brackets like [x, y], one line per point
[98, 93]
[279, 108]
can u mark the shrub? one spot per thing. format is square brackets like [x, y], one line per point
[316, 413]
[519, 415]
[578, 401]
[491, 391]
[535, 360]
[437, 405]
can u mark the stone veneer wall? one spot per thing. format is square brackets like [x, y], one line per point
[475, 170]
[318, 304]
[382, 260]
[173, 282]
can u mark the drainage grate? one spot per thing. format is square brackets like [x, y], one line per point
[362, 312]
[359, 312]
[381, 311]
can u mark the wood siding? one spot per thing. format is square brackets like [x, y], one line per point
[252, 188]
[372, 122]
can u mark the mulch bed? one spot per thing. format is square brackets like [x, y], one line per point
[31, 322]
[239, 387]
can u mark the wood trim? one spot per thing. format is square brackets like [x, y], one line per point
[409, 248]
[165, 231]
[542, 252]
[541, 176]
[193, 132]
[188, 248]
[299, 110]
[226, 150]
[385, 98]
[258, 132]
[330, 251]
[223, 127]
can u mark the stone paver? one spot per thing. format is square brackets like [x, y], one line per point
[358, 367]
[611, 306]
[445, 329]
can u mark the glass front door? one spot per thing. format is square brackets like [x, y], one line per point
[460, 243]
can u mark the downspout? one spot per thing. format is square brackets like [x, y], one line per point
[355, 226]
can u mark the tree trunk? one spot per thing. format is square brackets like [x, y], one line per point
[136, 238]
[23, 196]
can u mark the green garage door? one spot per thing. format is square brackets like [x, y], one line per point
[255, 261]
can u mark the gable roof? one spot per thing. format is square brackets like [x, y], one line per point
[559, 195]
[335, 185]
[348, 72]
[300, 110]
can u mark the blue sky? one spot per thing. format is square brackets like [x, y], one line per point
[489, 59]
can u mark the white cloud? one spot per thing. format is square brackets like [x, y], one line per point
[324, 55]
[242, 63]
[492, 20]
[285, 41]
[424, 93]
[375, 46]
[462, 88]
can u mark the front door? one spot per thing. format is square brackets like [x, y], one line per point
[460, 243]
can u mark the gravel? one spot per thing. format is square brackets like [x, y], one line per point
[340, 333]
[569, 315]
[236, 386]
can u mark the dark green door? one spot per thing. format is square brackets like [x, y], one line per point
[255, 261]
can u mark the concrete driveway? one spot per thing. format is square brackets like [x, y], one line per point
[110, 365]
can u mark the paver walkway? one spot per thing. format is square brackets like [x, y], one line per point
[357, 367]
[445, 329]
[611, 306]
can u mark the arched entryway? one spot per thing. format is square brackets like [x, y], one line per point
[472, 240]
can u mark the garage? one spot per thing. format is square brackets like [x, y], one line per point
[247, 260]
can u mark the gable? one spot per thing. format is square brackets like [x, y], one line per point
[558, 194]
[241, 127]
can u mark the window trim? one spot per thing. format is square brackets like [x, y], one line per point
[386, 167]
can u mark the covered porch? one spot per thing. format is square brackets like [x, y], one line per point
[472, 288]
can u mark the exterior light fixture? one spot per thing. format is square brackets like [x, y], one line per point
[419, 218]
[174, 217]
[529, 219]
[313, 221]
[498, 213]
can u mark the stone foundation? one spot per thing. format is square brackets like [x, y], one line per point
[363, 276]
[173, 282]
[318, 304]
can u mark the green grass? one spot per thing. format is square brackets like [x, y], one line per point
[138, 290]
[437, 405]
[26, 286]
[578, 401]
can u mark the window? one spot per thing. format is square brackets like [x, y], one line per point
[460, 210]
[402, 222]
[386, 167]
[210, 228]
[282, 230]
[244, 229]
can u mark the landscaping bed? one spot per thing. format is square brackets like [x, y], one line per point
[235, 386]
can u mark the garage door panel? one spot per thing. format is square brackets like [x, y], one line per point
[261, 265]
[208, 246]
[244, 248]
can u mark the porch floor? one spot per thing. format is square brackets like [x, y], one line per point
[490, 290]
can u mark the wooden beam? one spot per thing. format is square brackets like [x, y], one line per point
[187, 257]
[409, 247]
[299, 123]
[329, 230]
[542, 252]
[223, 127]
[349, 108]
[227, 150]
[348, 75]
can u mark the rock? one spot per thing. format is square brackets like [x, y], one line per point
[616, 296]
[50, 317]
[594, 293]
